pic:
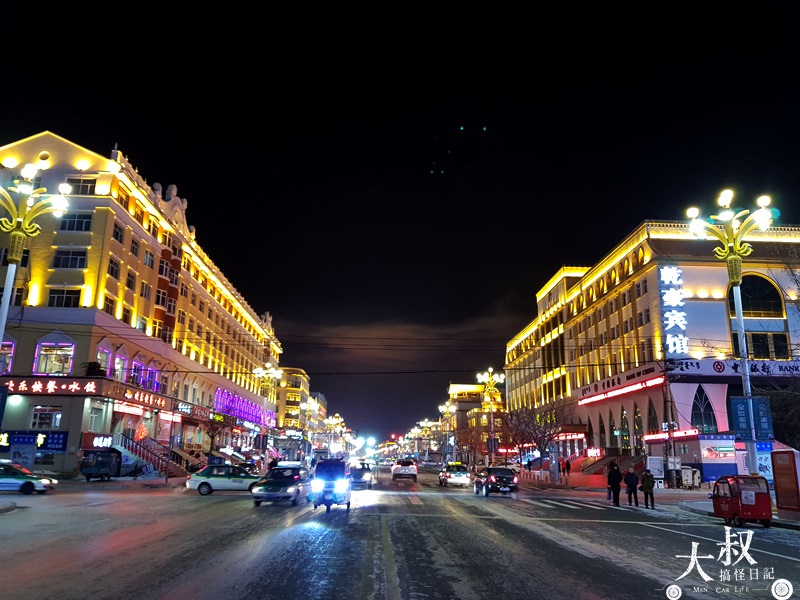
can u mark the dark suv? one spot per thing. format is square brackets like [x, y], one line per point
[495, 480]
[331, 484]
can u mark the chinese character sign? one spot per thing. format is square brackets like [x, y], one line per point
[674, 317]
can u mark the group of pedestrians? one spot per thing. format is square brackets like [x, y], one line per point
[632, 486]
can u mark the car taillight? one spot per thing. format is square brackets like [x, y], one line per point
[492, 478]
[516, 479]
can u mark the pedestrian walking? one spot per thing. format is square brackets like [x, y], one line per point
[648, 484]
[631, 483]
[567, 467]
[614, 482]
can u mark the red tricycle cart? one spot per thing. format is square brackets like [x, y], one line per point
[740, 499]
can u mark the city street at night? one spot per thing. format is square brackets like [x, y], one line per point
[401, 540]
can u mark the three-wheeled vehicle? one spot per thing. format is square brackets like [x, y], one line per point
[740, 499]
[102, 464]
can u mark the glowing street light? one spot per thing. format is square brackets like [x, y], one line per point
[728, 228]
[490, 392]
[20, 223]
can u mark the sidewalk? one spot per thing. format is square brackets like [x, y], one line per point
[694, 501]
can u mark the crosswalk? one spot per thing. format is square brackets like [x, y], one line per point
[548, 503]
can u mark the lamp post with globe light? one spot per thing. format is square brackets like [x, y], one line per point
[32, 202]
[490, 379]
[730, 227]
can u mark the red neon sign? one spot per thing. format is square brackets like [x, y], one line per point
[623, 390]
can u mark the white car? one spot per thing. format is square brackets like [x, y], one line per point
[221, 478]
[404, 468]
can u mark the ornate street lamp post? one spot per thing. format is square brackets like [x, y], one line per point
[20, 224]
[728, 228]
[490, 379]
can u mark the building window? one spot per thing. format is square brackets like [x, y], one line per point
[22, 263]
[181, 317]
[184, 290]
[149, 259]
[82, 186]
[118, 233]
[16, 297]
[130, 280]
[120, 366]
[145, 290]
[46, 417]
[64, 298]
[127, 315]
[172, 303]
[75, 222]
[103, 359]
[69, 259]
[135, 376]
[163, 267]
[6, 357]
[113, 268]
[135, 247]
[141, 323]
[53, 359]
[161, 298]
[703, 418]
[109, 304]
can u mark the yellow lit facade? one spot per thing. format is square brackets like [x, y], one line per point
[653, 321]
[122, 286]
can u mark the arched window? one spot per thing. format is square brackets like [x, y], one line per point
[613, 441]
[652, 418]
[703, 418]
[602, 430]
[625, 431]
[765, 323]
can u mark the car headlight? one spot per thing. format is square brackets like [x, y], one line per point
[317, 485]
[340, 486]
[291, 489]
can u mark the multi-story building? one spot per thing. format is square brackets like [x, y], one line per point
[642, 348]
[120, 326]
[295, 406]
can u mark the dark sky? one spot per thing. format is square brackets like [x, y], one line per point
[395, 191]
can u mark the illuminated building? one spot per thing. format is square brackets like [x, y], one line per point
[122, 326]
[651, 330]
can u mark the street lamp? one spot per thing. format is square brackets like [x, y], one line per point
[490, 391]
[32, 203]
[730, 231]
[310, 407]
[447, 411]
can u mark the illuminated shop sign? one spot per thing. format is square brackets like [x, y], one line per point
[53, 441]
[660, 437]
[96, 440]
[145, 398]
[51, 386]
[623, 390]
[673, 317]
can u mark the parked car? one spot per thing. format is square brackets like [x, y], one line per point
[331, 484]
[289, 482]
[16, 478]
[495, 479]
[454, 473]
[363, 475]
[224, 478]
[404, 468]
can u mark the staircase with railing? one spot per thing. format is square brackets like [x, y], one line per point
[153, 452]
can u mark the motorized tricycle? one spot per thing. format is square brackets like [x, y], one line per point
[741, 499]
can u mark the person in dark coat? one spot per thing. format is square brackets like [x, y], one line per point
[631, 483]
[648, 484]
[614, 482]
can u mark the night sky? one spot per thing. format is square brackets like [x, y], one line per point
[395, 198]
